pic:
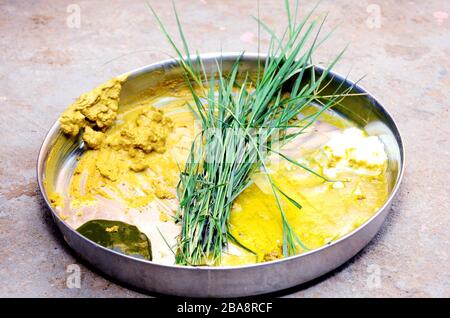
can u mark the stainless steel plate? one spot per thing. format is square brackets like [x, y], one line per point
[224, 281]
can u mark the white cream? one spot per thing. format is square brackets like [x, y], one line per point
[351, 148]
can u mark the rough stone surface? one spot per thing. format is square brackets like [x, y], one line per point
[45, 64]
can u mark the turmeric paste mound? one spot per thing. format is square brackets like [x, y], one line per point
[120, 149]
[96, 109]
[93, 138]
[118, 161]
[147, 133]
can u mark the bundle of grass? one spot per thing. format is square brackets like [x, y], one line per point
[243, 119]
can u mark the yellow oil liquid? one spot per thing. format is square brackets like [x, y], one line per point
[329, 210]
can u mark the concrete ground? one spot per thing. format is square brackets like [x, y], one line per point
[50, 55]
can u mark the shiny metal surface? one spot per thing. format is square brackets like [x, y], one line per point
[226, 281]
